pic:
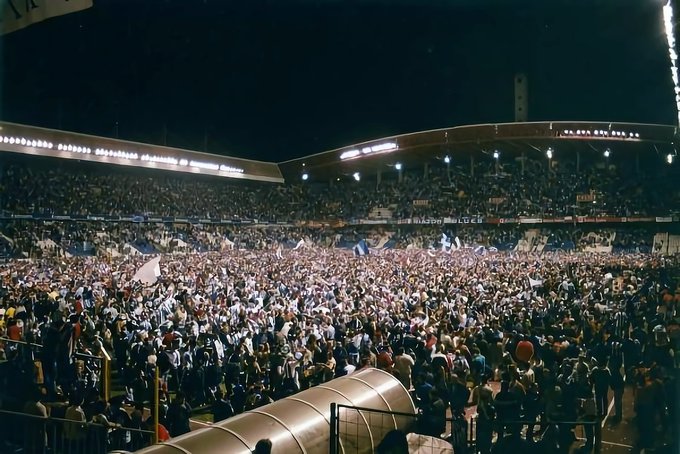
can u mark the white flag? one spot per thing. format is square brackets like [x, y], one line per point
[446, 244]
[535, 282]
[227, 243]
[148, 274]
[299, 245]
[458, 245]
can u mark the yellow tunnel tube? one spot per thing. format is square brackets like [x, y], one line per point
[301, 423]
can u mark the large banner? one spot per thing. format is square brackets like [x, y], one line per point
[18, 14]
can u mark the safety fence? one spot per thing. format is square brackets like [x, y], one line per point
[349, 433]
[30, 434]
[96, 368]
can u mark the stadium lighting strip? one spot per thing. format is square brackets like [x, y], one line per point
[670, 37]
[120, 154]
[382, 148]
[26, 142]
[601, 133]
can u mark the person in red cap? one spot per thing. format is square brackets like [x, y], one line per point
[524, 350]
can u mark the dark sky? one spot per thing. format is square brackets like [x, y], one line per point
[279, 79]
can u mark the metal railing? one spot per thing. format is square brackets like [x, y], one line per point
[32, 352]
[355, 430]
[360, 430]
[30, 434]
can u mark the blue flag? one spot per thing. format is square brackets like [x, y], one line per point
[361, 248]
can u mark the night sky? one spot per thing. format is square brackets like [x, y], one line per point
[278, 79]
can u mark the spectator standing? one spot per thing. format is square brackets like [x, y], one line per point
[75, 432]
[178, 416]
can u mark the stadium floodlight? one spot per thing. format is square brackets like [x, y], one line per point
[637, 135]
[398, 166]
[549, 153]
[669, 158]
[447, 159]
[357, 176]
[670, 38]
[23, 141]
[305, 176]
[607, 152]
[496, 154]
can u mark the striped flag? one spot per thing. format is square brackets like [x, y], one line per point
[361, 248]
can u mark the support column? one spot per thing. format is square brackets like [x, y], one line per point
[637, 163]
[578, 162]
[378, 177]
[524, 158]
[472, 166]
[426, 169]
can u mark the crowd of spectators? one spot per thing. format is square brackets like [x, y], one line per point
[247, 315]
[41, 239]
[238, 330]
[505, 189]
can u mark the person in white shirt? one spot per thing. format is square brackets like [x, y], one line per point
[404, 363]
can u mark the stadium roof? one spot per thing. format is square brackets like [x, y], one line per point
[69, 145]
[417, 148]
[368, 158]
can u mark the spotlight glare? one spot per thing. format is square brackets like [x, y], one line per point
[549, 153]
[447, 159]
[669, 158]
[398, 166]
[496, 154]
[670, 38]
[607, 152]
[357, 176]
[305, 177]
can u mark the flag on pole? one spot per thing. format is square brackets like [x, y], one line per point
[149, 272]
[361, 248]
[279, 254]
[458, 245]
[299, 245]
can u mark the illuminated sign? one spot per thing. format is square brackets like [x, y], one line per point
[381, 148]
[600, 133]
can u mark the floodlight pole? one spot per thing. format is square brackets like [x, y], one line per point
[156, 403]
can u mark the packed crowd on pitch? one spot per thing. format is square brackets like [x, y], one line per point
[239, 329]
